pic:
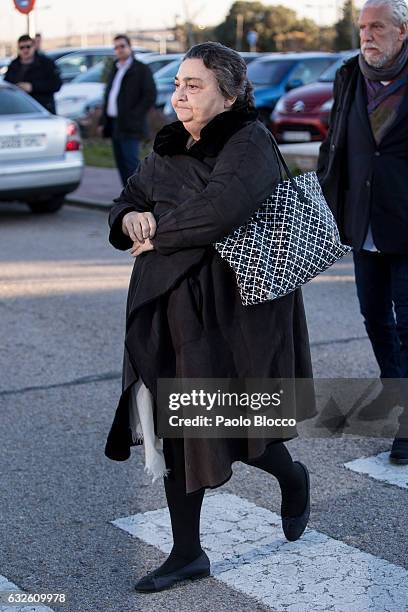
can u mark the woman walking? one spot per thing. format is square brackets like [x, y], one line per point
[208, 173]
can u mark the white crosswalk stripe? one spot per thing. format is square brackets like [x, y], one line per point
[6, 586]
[380, 468]
[249, 553]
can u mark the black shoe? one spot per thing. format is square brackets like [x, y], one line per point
[399, 451]
[294, 526]
[199, 568]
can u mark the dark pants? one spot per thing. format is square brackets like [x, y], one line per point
[126, 152]
[382, 289]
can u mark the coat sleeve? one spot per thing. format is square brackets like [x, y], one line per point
[102, 119]
[135, 197]
[147, 92]
[245, 174]
[10, 75]
[323, 158]
[50, 82]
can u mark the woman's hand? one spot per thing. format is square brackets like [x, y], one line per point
[141, 247]
[139, 226]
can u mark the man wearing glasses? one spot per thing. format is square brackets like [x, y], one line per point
[129, 94]
[34, 73]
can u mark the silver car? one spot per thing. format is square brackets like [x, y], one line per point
[40, 154]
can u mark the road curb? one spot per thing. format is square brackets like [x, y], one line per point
[85, 203]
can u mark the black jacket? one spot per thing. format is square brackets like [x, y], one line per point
[44, 76]
[137, 94]
[185, 317]
[364, 182]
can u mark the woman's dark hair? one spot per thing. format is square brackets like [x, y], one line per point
[230, 71]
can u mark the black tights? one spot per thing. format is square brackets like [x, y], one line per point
[185, 509]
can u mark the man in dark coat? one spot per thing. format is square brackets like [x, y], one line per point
[34, 73]
[130, 93]
[363, 170]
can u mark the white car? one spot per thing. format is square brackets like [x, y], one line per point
[40, 154]
[4, 64]
[71, 100]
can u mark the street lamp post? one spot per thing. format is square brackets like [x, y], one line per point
[354, 38]
[240, 32]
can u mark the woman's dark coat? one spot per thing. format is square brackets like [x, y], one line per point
[184, 314]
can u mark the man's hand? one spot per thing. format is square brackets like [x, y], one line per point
[141, 247]
[25, 86]
[139, 226]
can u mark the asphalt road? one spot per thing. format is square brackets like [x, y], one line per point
[62, 305]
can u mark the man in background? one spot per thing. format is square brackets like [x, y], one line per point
[363, 170]
[34, 73]
[130, 93]
[38, 43]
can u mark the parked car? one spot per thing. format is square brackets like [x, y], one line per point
[55, 54]
[303, 115]
[4, 64]
[76, 61]
[157, 61]
[74, 97]
[165, 85]
[275, 74]
[164, 79]
[40, 154]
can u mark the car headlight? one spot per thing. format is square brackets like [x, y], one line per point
[327, 106]
[280, 106]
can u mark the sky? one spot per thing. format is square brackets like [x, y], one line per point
[65, 17]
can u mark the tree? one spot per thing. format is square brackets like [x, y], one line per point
[278, 28]
[346, 29]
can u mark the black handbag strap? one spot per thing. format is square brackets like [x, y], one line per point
[284, 166]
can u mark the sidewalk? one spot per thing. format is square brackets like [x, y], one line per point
[98, 188]
[100, 185]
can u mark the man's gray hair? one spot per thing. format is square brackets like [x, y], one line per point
[399, 9]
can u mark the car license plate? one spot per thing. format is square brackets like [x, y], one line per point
[22, 141]
[297, 136]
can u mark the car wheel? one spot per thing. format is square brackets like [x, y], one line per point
[50, 205]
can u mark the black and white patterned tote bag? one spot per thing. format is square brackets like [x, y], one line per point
[289, 240]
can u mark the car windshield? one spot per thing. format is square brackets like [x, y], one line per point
[158, 64]
[93, 75]
[54, 55]
[14, 102]
[168, 73]
[329, 74]
[270, 72]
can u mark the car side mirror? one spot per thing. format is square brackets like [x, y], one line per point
[293, 84]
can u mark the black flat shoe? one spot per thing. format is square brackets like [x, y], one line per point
[199, 568]
[294, 526]
[399, 451]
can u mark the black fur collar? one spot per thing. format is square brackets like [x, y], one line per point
[172, 139]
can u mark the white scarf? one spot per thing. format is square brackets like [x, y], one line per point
[142, 426]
